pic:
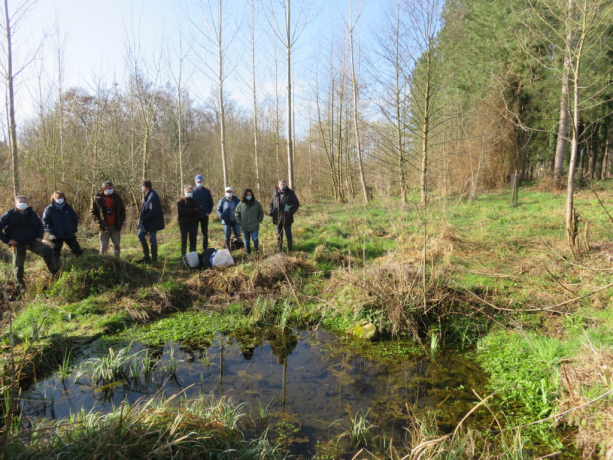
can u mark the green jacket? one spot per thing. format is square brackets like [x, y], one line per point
[249, 216]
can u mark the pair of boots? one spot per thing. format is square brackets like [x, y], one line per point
[146, 259]
[256, 245]
[280, 244]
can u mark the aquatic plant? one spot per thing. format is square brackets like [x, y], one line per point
[64, 369]
[206, 428]
[263, 411]
[360, 429]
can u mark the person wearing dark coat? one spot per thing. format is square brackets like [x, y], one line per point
[109, 213]
[61, 223]
[283, 205]
[204, 198]
[150, 222]
[189, 217]
[225, 210]
[21, 229]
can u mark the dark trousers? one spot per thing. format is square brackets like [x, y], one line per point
[38, 248]
[288, 236]
[204, 228]
[72, 243]
[191, 230]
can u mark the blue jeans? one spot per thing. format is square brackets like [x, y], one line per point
[227, 230]
[248, 236]
[142, 237]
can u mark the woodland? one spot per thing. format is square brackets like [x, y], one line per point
[454, 167]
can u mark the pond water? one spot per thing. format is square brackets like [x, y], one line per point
[313, 377]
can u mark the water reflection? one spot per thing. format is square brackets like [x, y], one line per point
[314, 377]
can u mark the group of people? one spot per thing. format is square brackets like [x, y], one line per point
[22, 229]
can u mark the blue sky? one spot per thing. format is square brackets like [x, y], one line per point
[97, 32]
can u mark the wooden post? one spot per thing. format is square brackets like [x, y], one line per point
[514, 188]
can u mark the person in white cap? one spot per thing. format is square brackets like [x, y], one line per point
[225, 210]
[204, 198]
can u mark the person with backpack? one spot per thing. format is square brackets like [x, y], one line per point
[22, 230]
[61, 223]
[249, 214]
[225, 210]
[109, 213]
[189, 212]
[150, 222]
[283, 205]
[204, 198]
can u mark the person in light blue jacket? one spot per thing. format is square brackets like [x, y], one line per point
[225, 210]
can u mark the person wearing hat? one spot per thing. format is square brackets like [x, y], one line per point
[109, 213]
[225, 210]
[22, 229]
[283, 205]
[204, 198]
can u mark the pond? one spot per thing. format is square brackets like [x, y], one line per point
[315, 378]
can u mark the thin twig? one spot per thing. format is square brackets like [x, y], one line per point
[605, 394]
[601, 204]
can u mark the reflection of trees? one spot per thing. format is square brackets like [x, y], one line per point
[248, 343]
[282, 344]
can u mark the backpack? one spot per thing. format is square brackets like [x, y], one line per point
[236, 243]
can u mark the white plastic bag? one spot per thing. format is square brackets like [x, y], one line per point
[223, 259]
[191, 260]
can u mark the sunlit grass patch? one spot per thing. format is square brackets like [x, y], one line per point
[202, 428]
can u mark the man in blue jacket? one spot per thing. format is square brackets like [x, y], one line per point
[151, 221]
[61, 223]
[204, 198]
[21, 229]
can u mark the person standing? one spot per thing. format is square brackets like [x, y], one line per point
[21, 229]
[189, 217]
[61, 223]
[150, 222]
[283, 205]
[204, 198]
[249, 214]
[109, 213]
[225, 210]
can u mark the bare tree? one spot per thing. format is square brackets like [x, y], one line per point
[211, 29]
[391, 74]
[252, 42]
[558, 170]
[10, 23]
[350, 26]
[427, 77]
[288, 31]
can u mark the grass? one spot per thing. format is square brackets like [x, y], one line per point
[493, 275]
[202, 428]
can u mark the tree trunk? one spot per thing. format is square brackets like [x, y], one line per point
[358, 144]
[425, 133]
[222, 114]
[255, 102]
[558, 170]
[11, 102]
[571, 223]
[290, 143]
